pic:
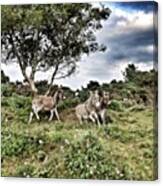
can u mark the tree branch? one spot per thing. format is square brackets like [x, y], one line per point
[52, 78]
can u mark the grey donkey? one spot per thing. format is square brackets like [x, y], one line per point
[87, 110]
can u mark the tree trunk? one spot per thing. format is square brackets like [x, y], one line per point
[52, 79]
[23, 68]
[33, 87]
[30, 80]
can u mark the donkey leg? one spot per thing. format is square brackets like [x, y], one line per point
[103, 117]
[92, 118]
[80, 119]
[97, 118]
[36, 114]
[57, 115]
[30, 117]
[51, 115]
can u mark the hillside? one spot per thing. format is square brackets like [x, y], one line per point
[125, 148]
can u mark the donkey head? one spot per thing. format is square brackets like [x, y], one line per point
[96, 99]
[106, 98]
[59, 95]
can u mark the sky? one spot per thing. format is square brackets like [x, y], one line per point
[129, 37]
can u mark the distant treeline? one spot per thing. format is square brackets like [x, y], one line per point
[140, 86]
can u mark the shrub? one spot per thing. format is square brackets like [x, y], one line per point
[84, 158]
[123, 136]
[125, 93]
[137, 108]
[68, 103]
[128, 103]
[12, 144]
[115, 105]
[17, 144]
[6, 90]
[45, 172]
[53, 168]
[24, 171]
[60, 137]
[87, 159]
[19, 105]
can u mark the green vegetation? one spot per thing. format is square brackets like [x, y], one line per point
[125, 148]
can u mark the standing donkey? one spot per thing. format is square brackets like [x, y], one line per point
[101, 109]
[46, 103]
[87, 110]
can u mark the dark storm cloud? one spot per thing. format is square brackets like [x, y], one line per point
[146, 6]
[135, 38]
[131, 46]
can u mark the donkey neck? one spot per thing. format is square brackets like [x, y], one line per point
[89, 103]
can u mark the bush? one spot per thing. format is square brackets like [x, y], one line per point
[53, 168]
[59, 137]
[25, 171]
[137, 108]
[6, 90]
[114, 132]
[85, 158]
[17, 144]
[68, 103]
[19, 105]
[13, 144]
[128, 103]
[116, 105]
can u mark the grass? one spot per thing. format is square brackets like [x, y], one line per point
[123, 149]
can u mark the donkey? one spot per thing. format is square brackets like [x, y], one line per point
[46, 103]
[87, 110]
[101, 109]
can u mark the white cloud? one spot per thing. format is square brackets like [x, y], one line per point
[122, 21]
[13, 71]
[145, 66]
[148, 49]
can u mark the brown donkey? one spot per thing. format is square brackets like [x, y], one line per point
[46, 103]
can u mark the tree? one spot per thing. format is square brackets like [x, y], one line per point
[50, 37]
[130, 73]
[114, 81]
[93, 85]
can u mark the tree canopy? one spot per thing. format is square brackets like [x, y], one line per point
[50, 37]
